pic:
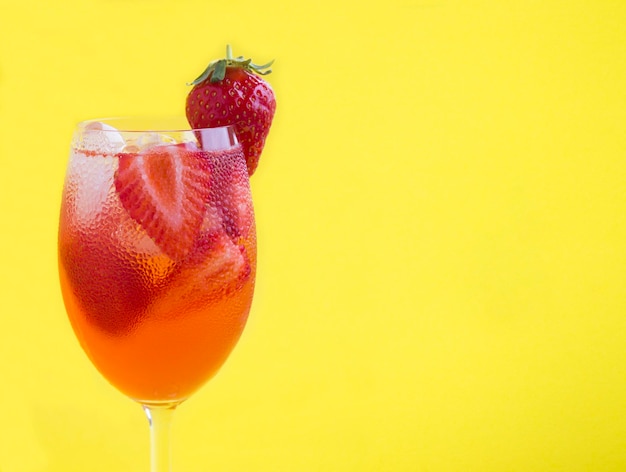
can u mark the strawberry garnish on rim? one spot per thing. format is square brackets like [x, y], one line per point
[231, 91]
[165, 190]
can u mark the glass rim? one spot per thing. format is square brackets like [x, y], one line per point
[146, 124]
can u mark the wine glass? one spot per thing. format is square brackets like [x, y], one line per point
[157, 257]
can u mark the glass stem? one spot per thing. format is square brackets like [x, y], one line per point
[160, 418]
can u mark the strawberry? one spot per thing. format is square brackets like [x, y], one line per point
[229, 92]
[165, 190]
[230, 192]
[216, 268]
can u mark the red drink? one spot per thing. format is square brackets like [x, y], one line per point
[157, 313]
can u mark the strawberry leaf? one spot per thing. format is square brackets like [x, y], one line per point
[216, 70]
[220, 71]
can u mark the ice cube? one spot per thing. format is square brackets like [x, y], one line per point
[141, 142]
[217, 138]
[89, 185]
[91, 172]
[101, 138]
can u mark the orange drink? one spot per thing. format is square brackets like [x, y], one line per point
[157, 255]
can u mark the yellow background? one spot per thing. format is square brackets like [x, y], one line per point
[442, 226]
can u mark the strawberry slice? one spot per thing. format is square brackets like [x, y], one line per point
[215, 269]
[165, 190]
[230, 192]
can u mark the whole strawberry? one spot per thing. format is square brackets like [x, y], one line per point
[230, 92]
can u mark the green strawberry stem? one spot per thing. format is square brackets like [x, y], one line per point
[217, 69]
